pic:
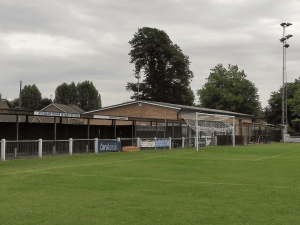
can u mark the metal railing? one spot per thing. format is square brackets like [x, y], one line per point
[39, 148]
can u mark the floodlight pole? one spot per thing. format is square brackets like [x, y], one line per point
[284, 118]
[197, 141]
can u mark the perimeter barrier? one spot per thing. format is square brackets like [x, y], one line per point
[40, 148]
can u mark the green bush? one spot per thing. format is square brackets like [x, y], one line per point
[296, 125]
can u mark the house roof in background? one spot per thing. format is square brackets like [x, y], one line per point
[65, 108]
[4, 103]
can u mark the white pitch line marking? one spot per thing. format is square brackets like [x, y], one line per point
[275, 156]
[91, 164]
[163, 180]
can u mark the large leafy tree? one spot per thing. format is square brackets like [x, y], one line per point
[84, 95]
[45, 102]
[273, 112]
[89, 98]
[166, 73]
[66, 94]
[228, 89]
[31, 97]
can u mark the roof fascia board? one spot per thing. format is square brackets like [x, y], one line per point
[161, 105]
[130, 103]
[110, 107]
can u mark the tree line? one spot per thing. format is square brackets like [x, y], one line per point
[165, 76]
[84, 95]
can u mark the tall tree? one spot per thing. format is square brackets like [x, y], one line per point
[45, 102]
[228, 89]
[84, 95]
[67, 94]
[31, 97]
[166, 70]
[273, 112]
[294, 102]
[15, 103]
[89, 98]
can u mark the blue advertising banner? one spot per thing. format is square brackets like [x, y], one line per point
[202, 143]
[162, 143]
[109, 146]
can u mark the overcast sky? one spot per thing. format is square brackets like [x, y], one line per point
[49, 42]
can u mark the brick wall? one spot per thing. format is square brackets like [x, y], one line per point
[143, 111]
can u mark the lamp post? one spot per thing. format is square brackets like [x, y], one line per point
[283, 40]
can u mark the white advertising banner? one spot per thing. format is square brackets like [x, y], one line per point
[147, 143]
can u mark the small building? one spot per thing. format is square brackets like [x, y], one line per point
[144, 114]
[59, 108]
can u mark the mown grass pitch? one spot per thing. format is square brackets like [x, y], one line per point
[257, 184]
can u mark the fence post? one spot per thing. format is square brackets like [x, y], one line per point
[182, 142]
[205, 141]
[155, 142]
[119, 140]
[96, 145]
[138, 142]
[71, 146]
[40, 148]
[3, 149]
[170, 146]
[216, 140]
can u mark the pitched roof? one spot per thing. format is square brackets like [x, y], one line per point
[65, 108]
[175, 106]
[4, 104]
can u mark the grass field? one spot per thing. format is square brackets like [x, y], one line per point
[257, 184]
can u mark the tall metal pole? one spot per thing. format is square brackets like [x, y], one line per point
[284, 117]
[197, 145]
[283, 86]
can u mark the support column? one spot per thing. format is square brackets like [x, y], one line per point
[132, 133]
[135, 129]
[17, 128]
[233, 133]
[173, 130]
[88, 129]
[54, 144]
[115, 129]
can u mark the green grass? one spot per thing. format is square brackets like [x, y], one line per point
[257, 184]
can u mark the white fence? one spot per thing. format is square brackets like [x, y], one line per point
[289, 139]
[40, 148]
